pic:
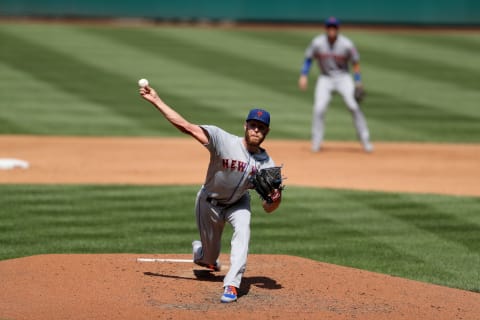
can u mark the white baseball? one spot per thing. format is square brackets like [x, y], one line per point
[142, 83]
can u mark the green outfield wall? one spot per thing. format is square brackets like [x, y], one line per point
[457, 12]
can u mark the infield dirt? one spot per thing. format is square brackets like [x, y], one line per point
[275, 286]
[451, 169]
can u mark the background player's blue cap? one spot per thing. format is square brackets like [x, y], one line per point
[332, 22]
[260, 115]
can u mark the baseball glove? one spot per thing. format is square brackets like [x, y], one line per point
[359, 93]
[266, 181]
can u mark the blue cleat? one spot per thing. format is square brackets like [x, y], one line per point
[229, 295]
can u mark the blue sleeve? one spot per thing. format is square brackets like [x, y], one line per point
[306, 66]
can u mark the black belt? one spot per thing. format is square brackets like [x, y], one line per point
[215, 202]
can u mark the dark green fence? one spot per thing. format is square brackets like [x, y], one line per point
[442, 12]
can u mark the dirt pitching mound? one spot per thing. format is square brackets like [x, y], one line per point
[116, 286]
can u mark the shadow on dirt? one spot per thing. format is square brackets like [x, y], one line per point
[207, 275]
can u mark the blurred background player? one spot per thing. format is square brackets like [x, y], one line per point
[333, 53]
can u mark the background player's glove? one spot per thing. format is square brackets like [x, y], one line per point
[266, 181]
[359, 92]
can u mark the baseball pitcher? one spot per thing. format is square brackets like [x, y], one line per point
[333, 53]
[224, 196]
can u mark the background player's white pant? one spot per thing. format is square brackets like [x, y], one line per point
[343, 84]
[211, 222]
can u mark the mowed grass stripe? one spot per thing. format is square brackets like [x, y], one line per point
[214, 99]
[238, 59]
[424, 68]
[451, 49]
[465, 207]
[362, 231]
[431, 82]
[447, 226]
[232, 42]
[440, 252]
[9, 126]
[332, 233]
[416, 210]
[80, 219]
[411, 90]
[372, 231]
[229, 95]
[71, 75]
[419, 122]
[46, 109]
[102, 83]
[426, 253]
[213, 69]
[236, 67]
[432, 49]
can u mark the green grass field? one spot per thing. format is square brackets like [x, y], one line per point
[81, 80]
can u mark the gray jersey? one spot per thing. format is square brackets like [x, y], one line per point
[230, 166]
[332, 59]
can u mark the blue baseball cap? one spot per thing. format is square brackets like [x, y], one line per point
[332, 22]
[260, 115]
